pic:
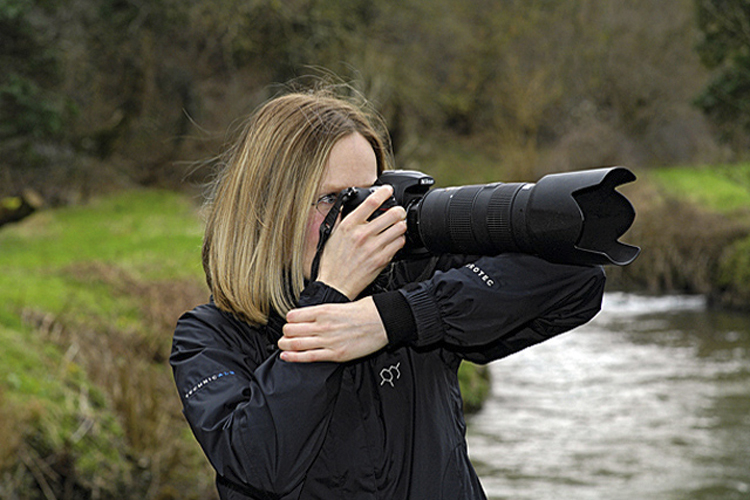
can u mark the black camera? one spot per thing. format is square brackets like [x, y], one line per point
[569, 218]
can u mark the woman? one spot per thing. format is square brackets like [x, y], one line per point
[354, 393]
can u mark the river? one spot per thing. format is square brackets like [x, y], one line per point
[649, 401]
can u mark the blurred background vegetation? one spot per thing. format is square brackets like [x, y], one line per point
[103, 93]
[112, 110]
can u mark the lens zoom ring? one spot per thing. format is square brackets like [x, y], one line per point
[459, 219]
[498, 216]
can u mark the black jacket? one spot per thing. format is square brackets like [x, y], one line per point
[389, 426]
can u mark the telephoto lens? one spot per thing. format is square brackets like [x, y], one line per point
[570, 218]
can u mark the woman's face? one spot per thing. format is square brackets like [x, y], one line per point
[352, 162]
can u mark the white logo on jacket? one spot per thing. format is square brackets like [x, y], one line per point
[388, 375]
[481, 274]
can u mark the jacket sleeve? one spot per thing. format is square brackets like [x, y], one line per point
[260, 420]
[494, 306]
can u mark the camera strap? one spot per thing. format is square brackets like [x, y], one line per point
[326, 228]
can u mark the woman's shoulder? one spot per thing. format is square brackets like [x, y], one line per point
[208, 326]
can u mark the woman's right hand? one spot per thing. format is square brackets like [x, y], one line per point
[333, 332]
[358, 249]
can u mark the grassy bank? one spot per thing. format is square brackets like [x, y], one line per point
[723, 189]
[88, 299]
[693, 224]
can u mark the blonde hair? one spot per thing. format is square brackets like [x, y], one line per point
[260, 203]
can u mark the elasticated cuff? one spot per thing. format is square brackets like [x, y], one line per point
[397, 318]
[426, 315]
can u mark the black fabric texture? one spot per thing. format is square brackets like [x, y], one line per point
[387, 426]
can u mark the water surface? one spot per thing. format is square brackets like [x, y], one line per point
[649, 401]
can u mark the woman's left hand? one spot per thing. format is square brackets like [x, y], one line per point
[333, 332]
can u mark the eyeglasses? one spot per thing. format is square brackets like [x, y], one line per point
[324, 203]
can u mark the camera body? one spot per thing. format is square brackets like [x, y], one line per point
[569, 218]
[409, 187]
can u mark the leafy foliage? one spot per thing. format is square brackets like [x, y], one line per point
[115, 90]
[725, 47]
[30, 106]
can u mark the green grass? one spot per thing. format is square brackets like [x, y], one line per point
[79, 270]
[148, 234]
[724, 189]
[46, 262]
